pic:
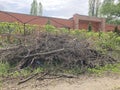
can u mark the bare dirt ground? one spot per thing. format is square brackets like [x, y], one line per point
[83, 82]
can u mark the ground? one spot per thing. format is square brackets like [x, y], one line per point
[83, 82]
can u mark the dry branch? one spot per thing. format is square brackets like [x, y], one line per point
[45, 53]
[63, 50]
[27, 79]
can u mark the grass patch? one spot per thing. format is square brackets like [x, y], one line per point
[0, 85]
[4, 67]
[28, 71]
[101, 70]
[75, 71]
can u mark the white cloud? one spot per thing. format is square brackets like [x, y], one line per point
[52, 5]
[58, 8]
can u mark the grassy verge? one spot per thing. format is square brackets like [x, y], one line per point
[5, 67]
[27, 71]
[107, 68]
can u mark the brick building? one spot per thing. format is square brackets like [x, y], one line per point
[76, 22]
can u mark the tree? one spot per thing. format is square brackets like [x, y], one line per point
[107, 8]
[34, 6]
[94, 6]
[111, 11]
[117, 9]
[36, 9]
[89, 27]
[40, 9]
[98, 3]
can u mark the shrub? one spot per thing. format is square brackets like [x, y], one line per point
[117, 31]
[89, 27]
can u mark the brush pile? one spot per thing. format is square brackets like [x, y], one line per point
[64, 50]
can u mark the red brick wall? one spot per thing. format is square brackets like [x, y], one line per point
[110, 27]
[82, 22]
[29, 19]
[77, 22]
[85, 24]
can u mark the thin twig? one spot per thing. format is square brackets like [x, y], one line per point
[38, 54]
[27, 79]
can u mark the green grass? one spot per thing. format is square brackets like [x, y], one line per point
[4, 67]
[101, 70]
[107, 41]
[27, 71]
[0, 85]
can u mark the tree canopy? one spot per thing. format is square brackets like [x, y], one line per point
[94, 6]
[110, 9]
[36, 9]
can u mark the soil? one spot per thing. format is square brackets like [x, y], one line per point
[83, 82]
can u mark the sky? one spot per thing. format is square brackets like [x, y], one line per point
[51, 8]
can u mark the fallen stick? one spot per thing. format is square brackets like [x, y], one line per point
[41, 77]
[38, 54]
[9, 48]
[27, 79]
[64, 75]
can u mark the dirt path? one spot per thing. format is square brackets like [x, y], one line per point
[82, 83]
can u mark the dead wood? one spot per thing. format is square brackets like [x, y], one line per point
[61, 50]
[45, 53]
[27, 79]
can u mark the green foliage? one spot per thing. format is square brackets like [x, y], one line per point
[113, 21]
[107, 41]
[64, 31]
[110, 68]
[111, 10]
[89, 27]
[24, 72]
[94, 6]
[40, 9]
[49, 28]
[4, 67]
[36, 9]
[8, 30]
[107, 7]
[101, 41]
[117, 31]
[15, 28]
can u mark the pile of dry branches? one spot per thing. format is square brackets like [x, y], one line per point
[64, 50]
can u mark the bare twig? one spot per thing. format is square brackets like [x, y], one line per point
[46, 53]
[27, 79]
